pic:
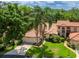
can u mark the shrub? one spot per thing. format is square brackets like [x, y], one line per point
[1, 41]
[9, 48]
[39, 52]
[55, 39]
[18, 42]
[61, 57]
[2, 48]
[62, 39]
[71, 45]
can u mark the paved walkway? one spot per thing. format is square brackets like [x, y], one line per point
[19, 50]
[75, 51]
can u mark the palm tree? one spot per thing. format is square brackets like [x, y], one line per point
[41, 17]
[37, 15]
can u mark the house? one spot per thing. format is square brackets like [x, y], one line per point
[30, 36]
[62, 28]
[70, 30]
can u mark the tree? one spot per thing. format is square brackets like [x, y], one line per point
[13, 24]
[41, 17]
[38, 22]
[39, 52]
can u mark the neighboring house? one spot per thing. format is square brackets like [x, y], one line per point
[70, 30]
[67, 27]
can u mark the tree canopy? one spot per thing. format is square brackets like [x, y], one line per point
[16, 20]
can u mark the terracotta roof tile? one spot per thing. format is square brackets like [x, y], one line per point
[67, 23]
[31, 33]
[74, 36]
[52, 30]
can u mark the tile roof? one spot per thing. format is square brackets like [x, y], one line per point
[67, 23]
[74, 36]
[52, 30]
[31, 33]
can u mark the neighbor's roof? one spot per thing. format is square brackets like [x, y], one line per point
[67, 23]
[74, 36]
[31, 33]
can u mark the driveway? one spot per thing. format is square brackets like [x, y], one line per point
[19, 51]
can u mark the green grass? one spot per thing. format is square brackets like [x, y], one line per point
[60, 50]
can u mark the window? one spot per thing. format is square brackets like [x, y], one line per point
[68, 28]
[75, 29]
[63, 29]
[68, 31]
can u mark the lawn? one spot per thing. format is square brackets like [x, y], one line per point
[60, 50]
